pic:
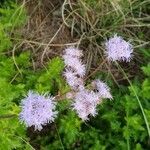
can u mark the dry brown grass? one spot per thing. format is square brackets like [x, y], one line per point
[53, 25]
[44, 34]
[97, 20]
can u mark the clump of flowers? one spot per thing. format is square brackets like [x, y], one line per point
[75, 69]
[118, 49]
[84, 101]
[37, 110]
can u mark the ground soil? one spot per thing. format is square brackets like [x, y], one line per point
[45, 34]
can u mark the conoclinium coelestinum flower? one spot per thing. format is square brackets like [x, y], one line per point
[75, 69]
[118, 49]
[85, 103]
[37, 110]
[103, 90]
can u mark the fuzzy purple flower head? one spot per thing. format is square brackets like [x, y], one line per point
[75, 69]
[37, 110]
[103, 90]
[85, 103]
[118, 49]
[72, 60]
[73, 81]
[73, 52]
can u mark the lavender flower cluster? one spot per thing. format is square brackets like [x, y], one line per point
[75, 70]
[84, 101]
[38, 110]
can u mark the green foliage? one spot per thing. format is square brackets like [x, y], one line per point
[12, 132]
[51, 79]
[69, 128]
[11, 16]
[135, 131]
[146, 69]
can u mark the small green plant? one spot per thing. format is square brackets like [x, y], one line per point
[11, 16]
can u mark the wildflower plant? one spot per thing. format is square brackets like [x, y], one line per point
[38, 110]
[85, 101]
[123, 117]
